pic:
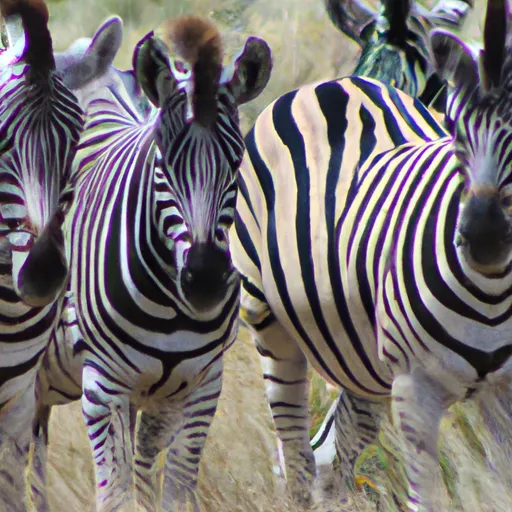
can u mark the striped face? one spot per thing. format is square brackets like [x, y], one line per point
[483, 146]
[200, 149]
[200, 166]
[479, 117]
[40, 124]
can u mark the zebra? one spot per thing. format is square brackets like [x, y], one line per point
[40, 125]
[153, 297]
[411, 68]
[394, 42]
[404, 255]
[396, 51]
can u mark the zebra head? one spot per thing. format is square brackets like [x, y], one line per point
[200, 147]
[479, 113]
[40, 125]
[395, 44]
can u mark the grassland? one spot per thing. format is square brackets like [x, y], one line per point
[238, 471]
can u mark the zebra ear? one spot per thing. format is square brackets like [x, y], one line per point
[153, 69]
[350, 17]
[250, 72]
[88, 59]
[450, 13]
[454, 60]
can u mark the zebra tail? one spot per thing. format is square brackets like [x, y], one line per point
[197, 41]
[39, 48]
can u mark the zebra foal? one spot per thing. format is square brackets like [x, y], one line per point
[413, 245]
[40, 125]
[153, 297]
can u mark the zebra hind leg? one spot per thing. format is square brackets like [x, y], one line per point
[418, 405]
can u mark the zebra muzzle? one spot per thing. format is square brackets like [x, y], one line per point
[207, 276]
[40, 274]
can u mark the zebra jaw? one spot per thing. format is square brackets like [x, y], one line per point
[499, 268]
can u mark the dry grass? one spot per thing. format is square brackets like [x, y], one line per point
[238, 467]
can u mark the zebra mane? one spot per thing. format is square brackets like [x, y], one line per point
[396, 13]
[197, 42]
[38, 52]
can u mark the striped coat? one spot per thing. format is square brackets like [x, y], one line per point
[40, 125]
[320, 135]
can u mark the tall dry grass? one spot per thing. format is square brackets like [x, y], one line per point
[239, 467]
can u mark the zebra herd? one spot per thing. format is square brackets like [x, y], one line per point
[138, 226]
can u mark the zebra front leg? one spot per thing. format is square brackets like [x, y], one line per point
[100, 400]
[187, 443]
[16, 420]
[152, 437]
[37, 481]
[495, 406]
[287, 387]
[418, 405]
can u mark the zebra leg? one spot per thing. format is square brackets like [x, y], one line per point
[496, 409]
[287, 387]
[100, 401]
[151, 439]
[16, 419]
[38, 470]
[418, 405]
[357, 422]
[187, 443]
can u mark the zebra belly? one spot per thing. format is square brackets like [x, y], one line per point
[331, 328]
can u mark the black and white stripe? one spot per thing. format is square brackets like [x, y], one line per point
[302, 135]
